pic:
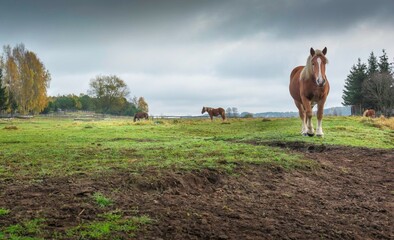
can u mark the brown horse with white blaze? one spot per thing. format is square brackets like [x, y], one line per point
[309, 86]
[214, 112]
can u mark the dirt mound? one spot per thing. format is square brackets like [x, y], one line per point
[350, 197]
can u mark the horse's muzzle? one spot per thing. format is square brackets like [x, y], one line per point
[321, 82]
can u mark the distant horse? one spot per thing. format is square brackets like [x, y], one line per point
[214, 112]
[369, 113]
[309, 86]
[140, 115]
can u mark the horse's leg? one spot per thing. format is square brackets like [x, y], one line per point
[308, 112]
[301, 112]
[320, 109]
[211, 116]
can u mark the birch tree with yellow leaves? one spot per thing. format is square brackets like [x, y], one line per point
[26, 80]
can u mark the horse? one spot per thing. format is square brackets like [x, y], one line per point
[369, 113]
[214, 112]
[140, 115]
[309, 86]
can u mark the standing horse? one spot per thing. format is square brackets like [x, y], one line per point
[214, 112]
[309, 86]
[140, 115]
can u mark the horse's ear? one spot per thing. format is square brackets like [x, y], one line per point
[312, 52]
[324, 51]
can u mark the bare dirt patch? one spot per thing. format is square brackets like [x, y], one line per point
[351, 196]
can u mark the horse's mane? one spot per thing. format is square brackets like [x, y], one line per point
[307, 70]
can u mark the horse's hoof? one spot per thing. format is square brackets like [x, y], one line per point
[311, 134]
[319, 135]
[304, 134]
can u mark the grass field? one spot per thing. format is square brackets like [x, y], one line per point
[40, 148]
[37, 148]
[32, 149]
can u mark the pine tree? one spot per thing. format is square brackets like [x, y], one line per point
[373, 66]
[352, 94]
[384, 65]
[370, 86]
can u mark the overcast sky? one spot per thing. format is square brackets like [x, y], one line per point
[182, 55]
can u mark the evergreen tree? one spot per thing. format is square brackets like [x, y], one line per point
[352, 94]
[373, 66]
[3, 93]
[370, 86]
[384, 65]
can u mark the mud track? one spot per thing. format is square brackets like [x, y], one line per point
[350, 196]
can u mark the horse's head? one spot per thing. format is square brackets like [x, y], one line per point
[204, 109]
[319, 61]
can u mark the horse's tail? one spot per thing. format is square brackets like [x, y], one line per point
[223, 113]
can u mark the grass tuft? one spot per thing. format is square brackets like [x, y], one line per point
[101, 200]
[109, 226]
[383, 122]
[4, 212]
[24, 230]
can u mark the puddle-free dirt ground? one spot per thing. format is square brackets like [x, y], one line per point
[351, 196]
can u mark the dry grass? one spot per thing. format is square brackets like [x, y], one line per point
[12, 127]
[380, 122]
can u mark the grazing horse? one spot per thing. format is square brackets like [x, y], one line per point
[309, 86]
[140, 115]
[214, 112]
[369, 113]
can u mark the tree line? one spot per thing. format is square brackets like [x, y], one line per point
[370, 85]
[107, 95]
[24, 81]
[84, 102]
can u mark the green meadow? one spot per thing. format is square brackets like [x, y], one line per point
[45, 147]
